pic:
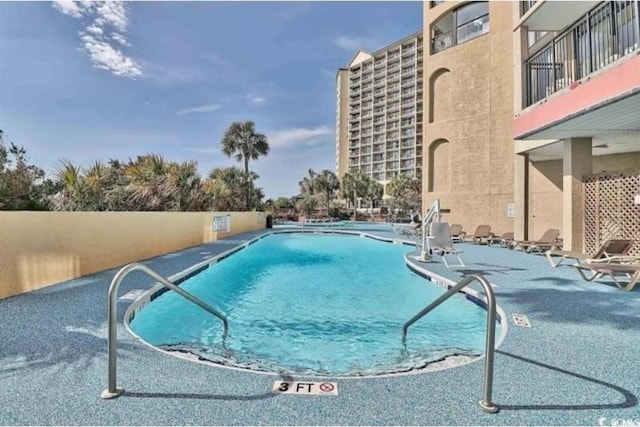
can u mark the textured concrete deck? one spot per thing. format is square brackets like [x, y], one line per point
[578, 364]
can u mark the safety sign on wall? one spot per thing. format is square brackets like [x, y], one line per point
[222, 223]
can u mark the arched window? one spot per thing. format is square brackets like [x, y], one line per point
[460, 25]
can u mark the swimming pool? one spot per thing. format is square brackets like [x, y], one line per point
[314, 304]
[348, 225]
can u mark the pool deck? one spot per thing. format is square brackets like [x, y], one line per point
[578, 363]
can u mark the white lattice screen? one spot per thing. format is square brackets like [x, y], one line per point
[610, 211]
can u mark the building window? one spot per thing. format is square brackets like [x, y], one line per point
[535, 36]
[460, 25]
[434, 3]
[472, 21]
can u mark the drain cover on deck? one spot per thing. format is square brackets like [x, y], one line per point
[521, 320]
[308, 388]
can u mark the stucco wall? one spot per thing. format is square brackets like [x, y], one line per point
[545, 197]
[468, 99]
[41, 248]
[545, 188]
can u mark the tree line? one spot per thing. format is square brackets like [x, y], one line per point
[319, 191]
[152, 183]
[147, 183]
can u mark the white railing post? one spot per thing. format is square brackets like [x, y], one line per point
[434, 211]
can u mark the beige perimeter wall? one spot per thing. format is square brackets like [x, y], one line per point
[41, 248]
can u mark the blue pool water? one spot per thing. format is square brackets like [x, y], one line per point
[315, 304]
[347, 225]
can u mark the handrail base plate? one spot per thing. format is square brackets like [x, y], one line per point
[106, 394]
[491, 408]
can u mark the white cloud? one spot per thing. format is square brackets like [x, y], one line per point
[95, 30]
[106, 57]
[102, 53]
[298, 136]
[113, 13]
[70, 8]
[256, 100]
[120, 39]
[200, 109]
[348, 42]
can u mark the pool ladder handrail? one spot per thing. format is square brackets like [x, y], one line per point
[486, 404]
[112, 316]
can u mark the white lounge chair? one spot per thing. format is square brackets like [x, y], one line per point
[613, 250]
[440, 242]
[613, 270]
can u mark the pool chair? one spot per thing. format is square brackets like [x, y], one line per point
[441, 243]
[613, 270]
[457, 235]
[505, 240]
[613, 250]
[548, 241]
[482, 233]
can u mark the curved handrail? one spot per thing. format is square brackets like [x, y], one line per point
[112, 315]
[485, 403]
[433, 212]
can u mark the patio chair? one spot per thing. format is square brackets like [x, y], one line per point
[613, 250]
[441, 243]
[483, 232]
[457, 235]
[549, 240]
[599, 269]
[505, 240]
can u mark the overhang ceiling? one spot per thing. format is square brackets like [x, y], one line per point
[612, 117]
[604, 144]
[555, 15]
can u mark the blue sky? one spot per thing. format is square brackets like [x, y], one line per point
[89, 81]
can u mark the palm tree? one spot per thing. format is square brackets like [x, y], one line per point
[353, 185]
[242, 140]
[406, 192]
[308, 183]
[149, 185]
[185, 177]
[327, 183]
[224, 187]
[373, 191]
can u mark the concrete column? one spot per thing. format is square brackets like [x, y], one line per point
[520, 195]
[576, 162]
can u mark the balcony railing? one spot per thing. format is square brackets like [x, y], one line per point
[601, 37]
[442, 42]
[525, 5]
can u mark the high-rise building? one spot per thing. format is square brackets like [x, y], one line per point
[531, 116]
[379, 112]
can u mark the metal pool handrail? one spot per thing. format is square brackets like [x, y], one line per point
[486, 404]
[112, 315]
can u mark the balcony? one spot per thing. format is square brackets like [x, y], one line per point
[442, 42]
[525, 5]
[553, 15]
[607, 33]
